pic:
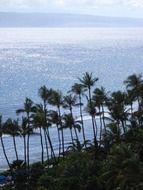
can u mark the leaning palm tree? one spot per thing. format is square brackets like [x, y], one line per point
[12, 128]
[77, 89]
[2, 143]
[27, 109]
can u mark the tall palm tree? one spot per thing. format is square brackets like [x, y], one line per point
[27, 109]
[68, 103]
[2, 143]
[56, 99]
[100, 96]
[88, 81]
[77, 89]
[44, 94]
[12, 128]
[38, 122]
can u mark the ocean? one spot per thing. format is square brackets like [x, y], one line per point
[56, 57]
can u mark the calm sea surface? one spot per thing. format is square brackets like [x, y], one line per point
[55, 57]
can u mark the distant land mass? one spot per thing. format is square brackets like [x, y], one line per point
[64, 20]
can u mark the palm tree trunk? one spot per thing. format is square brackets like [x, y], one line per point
[73, 126]
[96, 128]
[42, 147]
[82, 124]
[51, 146]
[93, 126]
[93, 121]
[62, 132]
[59, 139]
[24, 141]
[15, 147]
[63, 143]
[8, 163]
[71, 135]
[76, 133]
[103, 112]
[100, 126]
[46, 143]
[28, 139]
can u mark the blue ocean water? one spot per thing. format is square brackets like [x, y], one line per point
[55, 57]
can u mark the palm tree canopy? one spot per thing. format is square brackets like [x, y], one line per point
[11, 127]
[28, 107]
[69, 101]
[77, 89]
[54, 117]
[99, 96]
[56, 98]
[70, 122]
[44, 93]
[133, 81]
[88, 80]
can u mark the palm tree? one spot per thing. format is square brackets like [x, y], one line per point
[38, 122]
[68, 103]
[91, 110]
[54, 119]
[77, 89]
[12, 128]
[2, 143]
[27, 109]
[71, 123]
[56, 99]
[88, 81]
[100, 97]
[117, 109]
[44, 94]
[134, 83]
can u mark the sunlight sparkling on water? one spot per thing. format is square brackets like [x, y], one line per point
[55, 57]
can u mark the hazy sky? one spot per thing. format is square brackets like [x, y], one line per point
[128, 8]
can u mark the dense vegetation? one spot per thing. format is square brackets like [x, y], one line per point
[113, 160]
